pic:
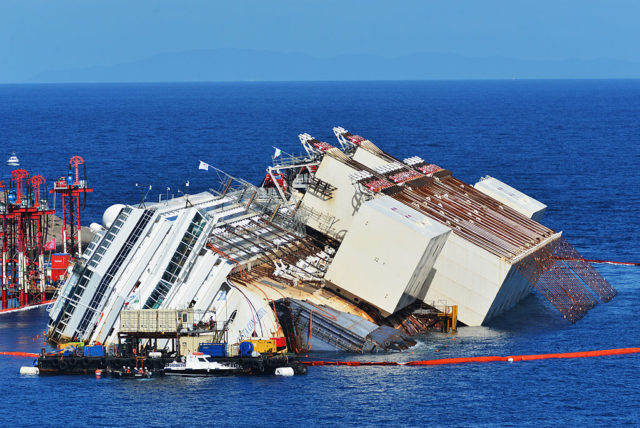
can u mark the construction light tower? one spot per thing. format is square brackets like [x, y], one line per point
[71, 190]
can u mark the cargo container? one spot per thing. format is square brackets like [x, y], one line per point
[192, 343]
[189, 344]
[60, 261]
[148, 320]
[155, 320]
[264, 346]
[57, 274]
[167, 320]
[281, 342]
[129, 321]
[94, 351]
[233, 350]
[213, 349]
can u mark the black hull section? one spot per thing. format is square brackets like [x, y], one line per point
[89, 365]
[263, 365]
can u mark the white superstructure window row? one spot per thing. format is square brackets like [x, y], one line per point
[109, 237]
[104, 286]
[177, 262]
[88, 252]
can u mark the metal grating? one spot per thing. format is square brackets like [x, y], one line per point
[584, 270]
[538, 270]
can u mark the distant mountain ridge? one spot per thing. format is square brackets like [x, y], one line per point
[256, 65]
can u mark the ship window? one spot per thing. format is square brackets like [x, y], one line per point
[103, 285]
[177, 262]
[202, 360]
[172, 268]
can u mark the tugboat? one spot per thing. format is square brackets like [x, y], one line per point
[201, 364]
[13, 160]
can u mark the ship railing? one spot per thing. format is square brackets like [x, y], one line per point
[325, 221]
[287, 161]
[440, 306]
[256, 199]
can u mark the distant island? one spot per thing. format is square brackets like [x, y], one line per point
[258, 65]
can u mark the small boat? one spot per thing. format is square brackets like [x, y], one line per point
[201, 364]
[13, 160]
[134, 373]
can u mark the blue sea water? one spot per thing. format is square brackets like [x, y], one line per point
[573, 145]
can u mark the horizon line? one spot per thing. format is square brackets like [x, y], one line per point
[497, 79]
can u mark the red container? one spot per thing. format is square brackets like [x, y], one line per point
[60, 261]
[57, 274]
[281, 342]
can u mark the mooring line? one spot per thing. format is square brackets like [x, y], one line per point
[611, 262]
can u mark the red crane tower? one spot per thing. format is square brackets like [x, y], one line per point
[23, 229]
[70, 190]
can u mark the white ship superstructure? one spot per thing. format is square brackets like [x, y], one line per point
[339, 245]
[156, 257]
[496, 254]
[391, 273]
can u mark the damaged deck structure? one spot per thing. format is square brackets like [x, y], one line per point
[344, 249]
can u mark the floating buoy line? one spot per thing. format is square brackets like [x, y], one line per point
[19, 354]
[441, 361]
[489, 359]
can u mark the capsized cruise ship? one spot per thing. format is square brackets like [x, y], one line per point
[344, 248]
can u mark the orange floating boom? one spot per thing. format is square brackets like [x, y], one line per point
[19, 354]
[488, 359]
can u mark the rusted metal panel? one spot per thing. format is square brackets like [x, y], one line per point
[476, 217]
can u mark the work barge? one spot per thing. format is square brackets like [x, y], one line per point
[345, 248]
[150, 341]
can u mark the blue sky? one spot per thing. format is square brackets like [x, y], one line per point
[41, 35]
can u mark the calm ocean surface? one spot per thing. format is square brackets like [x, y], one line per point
[574, 145]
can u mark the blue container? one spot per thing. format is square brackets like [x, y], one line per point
[213, 349]
[246, 348]
[94, 351]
